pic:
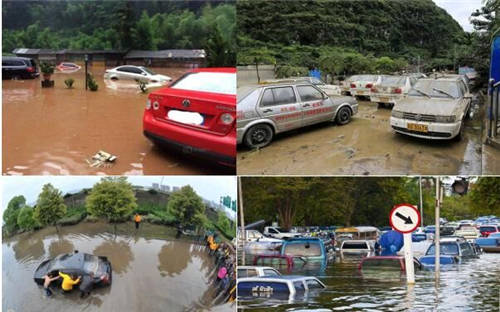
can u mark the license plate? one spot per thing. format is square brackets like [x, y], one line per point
[191, 118]
[384, 99]
[361, 92]
[417, 127]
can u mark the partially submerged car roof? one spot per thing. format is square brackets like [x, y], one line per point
[214, 70]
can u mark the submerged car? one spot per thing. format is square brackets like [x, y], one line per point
[391, 89]
[309, 248]
[468, 232]
[452, 250]
[487, 229]
[196, 115]
[132, 72]
[283, 287]
[78, 264]
[380, 267]
[434, 109]
[19, 68]
[266, 110]
[251, 271]
[68, 67]
[490, 243]
[356, 246]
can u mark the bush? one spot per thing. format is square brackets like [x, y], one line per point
[69, 83]
[25, 219]
[47, 68]
[142, 85]
[91, 83]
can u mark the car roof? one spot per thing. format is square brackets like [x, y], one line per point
[16, 58]
[214, 70]
[255, 267]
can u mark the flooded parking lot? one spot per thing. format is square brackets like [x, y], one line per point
[53, 131]
[471, 286]
[365, 146]
[151, 270]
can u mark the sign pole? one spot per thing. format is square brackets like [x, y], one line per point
[242, 223]
[437, 234]
[410, 270]
[421, 203]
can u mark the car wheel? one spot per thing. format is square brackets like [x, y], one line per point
[114, 78]
[259, 136]
[343, 115]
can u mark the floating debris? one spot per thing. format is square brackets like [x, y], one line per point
[100, 159]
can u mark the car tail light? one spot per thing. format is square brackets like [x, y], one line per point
[369, 85]
[156, 105]
[148, 104]
[374, 89]
[105, 278]
[397, 90]
[353, 85]
[30, 69]
[226, 118]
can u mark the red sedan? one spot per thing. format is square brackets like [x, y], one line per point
[486, 229]
[196, 115]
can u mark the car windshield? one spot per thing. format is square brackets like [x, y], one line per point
[392, 81]
[224, 83]
[363, 78]
[436, 88]
[91, 264]
[149, 71]
[444, 249]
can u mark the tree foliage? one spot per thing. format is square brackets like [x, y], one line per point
[187, 207]
[112, 198]
[485, 196]
[50, 206]
[11, 214]
[25, 220]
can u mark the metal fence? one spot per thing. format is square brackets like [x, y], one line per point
[494, 112]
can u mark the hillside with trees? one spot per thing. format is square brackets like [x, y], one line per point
[121, 25]
[346, 37]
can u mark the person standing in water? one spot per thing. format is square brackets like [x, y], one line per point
[137, 219]
[47, 279]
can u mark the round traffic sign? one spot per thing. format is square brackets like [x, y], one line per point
[404, 218]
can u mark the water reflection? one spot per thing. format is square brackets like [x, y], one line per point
[60, 246]
[173, 258]
[28, 249]
[118, 253]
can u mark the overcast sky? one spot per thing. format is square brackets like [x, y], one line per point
[460, 10]
[208, 187]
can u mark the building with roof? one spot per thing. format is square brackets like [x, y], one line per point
[166, 58]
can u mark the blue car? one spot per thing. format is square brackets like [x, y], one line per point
[452, 250]
[418, 237]
[490, 243]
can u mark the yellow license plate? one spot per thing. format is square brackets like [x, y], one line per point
[361, 92]
[417, 127]
[384, 99]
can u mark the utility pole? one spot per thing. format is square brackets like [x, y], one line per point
[421, 202]
[242, 224]
[437, 252]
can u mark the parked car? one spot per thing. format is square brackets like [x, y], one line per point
[78, 264]
[310, 248]
[132, 72]
[196, 115]
[356, 246]
[434, 109]
[266, 110]
[277, 232]
[452, 250]
[68, 67]
[468, 232]
[391, 89]
[361, 85]
[19, 68]
[418, 237]
[330, 90]
[430, 229]
[283, 287]
[378, 265]
[486, 230]
[446, 230]
[251, 271]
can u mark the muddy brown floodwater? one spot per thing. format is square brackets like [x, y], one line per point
[54, 130]
[367, 145]
[151, 270]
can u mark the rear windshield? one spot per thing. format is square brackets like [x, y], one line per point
[351, 245]
[224, 83]
[386, 263]
[444, 249]
[436, 88]
[305, 249]
[91, 264]
[363, 78]
[392, 81]
[487, 229]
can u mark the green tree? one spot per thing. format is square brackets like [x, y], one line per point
[186, 206]
[485, 196]
[12, 212]
[225, 224]
[112, 198]
[50, 206]
[142, 33]
[25, 220]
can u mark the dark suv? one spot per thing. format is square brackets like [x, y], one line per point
[18, 68]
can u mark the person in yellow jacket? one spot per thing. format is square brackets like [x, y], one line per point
[68, 281]
[137, 219]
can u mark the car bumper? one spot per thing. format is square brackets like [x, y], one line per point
[221, 149]
[361, 92]
[354, 108]
[382, 98]
[436, 131]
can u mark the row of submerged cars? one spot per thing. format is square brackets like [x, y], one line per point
[426, 107]
[309, 250]
[194, 115]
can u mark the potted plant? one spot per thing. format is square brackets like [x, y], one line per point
[47, 70]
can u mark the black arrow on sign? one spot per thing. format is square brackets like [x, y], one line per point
[407, 220]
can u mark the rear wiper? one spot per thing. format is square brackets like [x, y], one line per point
[443, 92]
[422, 92]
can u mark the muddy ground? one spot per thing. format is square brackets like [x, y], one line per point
[365, 146]
[52, 131]
[152, 271]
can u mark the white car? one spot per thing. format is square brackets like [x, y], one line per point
[259, 271]
[132, 72]
[468, 232]
[434, 109]
[391, 89]
[361, 85]
[277, 232]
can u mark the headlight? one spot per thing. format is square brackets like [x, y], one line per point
[397, 114]
[445, 119]
[148, 104]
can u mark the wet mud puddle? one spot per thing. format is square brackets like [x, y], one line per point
[151, 270]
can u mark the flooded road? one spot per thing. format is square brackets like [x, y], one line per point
[365, 146]
[151, 270]
[472, 286]
[52, 131]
